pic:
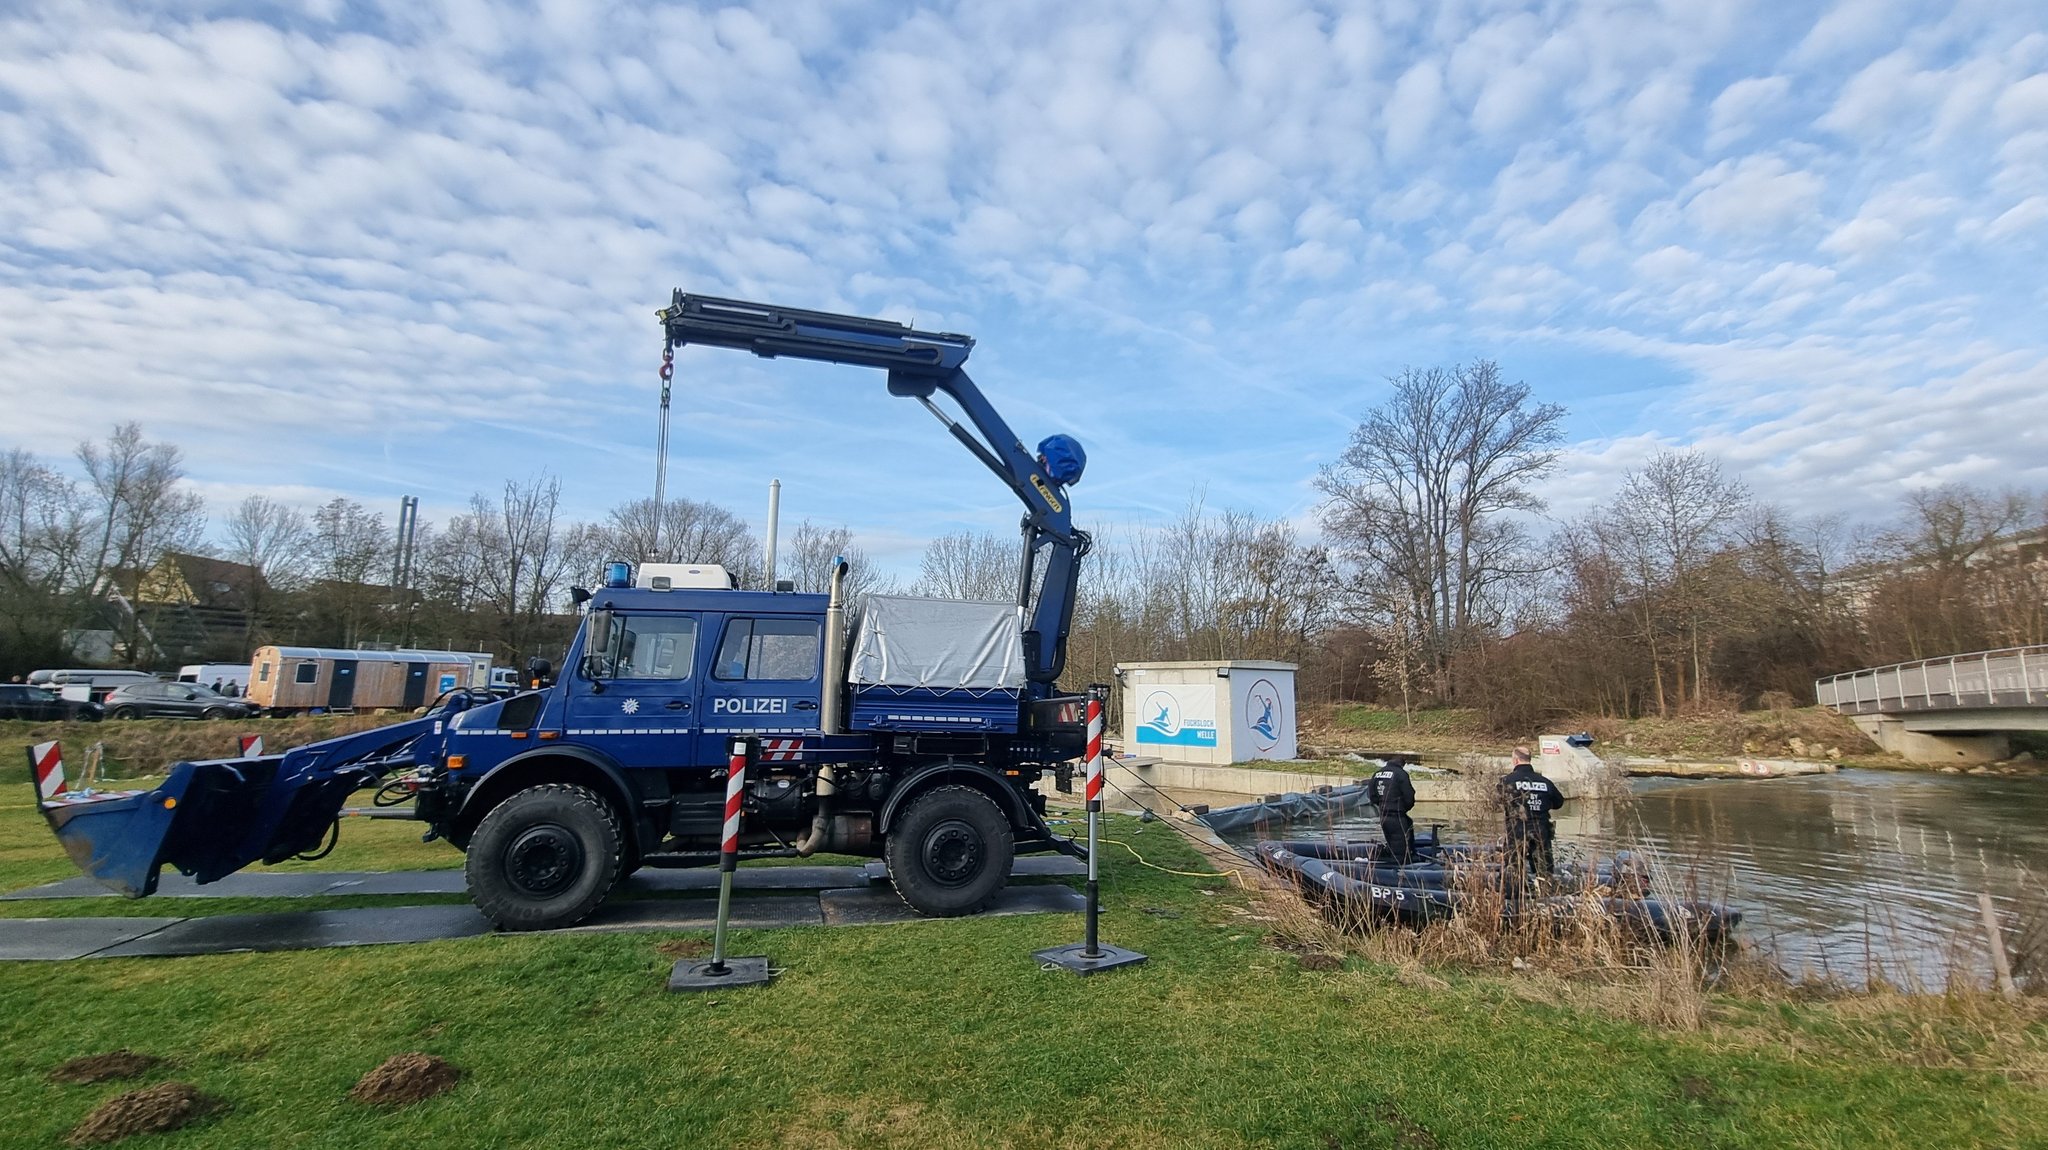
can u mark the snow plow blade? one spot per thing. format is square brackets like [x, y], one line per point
[210, 819]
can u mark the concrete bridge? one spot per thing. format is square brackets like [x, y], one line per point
[1957, 709]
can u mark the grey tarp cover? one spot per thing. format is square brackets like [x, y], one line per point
[941, 644]
[1289, 807]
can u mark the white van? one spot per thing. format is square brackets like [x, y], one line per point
[207, 674]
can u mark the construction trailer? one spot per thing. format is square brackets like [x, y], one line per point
[284, 679]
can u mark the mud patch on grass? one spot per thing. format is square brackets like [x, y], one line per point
[404, 1079]
[151, 1110]
[1385, 1125]
[683, 948]
[104, 1067]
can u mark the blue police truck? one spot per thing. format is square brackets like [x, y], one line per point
[917, 739]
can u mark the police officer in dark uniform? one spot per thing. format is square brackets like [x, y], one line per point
[1528, 798]
[1393, 793]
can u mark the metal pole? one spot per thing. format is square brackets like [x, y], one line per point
[2026, 682]
[1094, 793]
[1989, 695]
[774, 517]
[729, 849]
[1092, 955]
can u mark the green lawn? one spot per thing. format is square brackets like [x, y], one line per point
[942, 1034]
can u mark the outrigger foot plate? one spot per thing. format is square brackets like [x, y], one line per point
[697, 974]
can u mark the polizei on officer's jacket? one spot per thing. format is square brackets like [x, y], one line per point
[920, 745]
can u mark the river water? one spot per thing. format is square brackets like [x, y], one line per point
[1841, 875]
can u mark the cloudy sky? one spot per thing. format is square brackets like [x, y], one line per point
[415, 248]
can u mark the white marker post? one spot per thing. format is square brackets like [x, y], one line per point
[1091, 956]
[752, 970]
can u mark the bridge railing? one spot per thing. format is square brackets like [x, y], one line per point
[2010, 677]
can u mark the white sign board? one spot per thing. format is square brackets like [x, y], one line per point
[1177, 715]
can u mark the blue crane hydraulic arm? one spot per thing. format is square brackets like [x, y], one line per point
[921, 365]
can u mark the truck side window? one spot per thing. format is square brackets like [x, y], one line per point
[655, 646]
[782, 649]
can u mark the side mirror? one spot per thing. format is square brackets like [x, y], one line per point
[597, 646]
[579, 595]
[538, 672]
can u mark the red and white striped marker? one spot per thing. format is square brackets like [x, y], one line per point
[781, 750]
[729, 849]
[46, 763]
[735, 786]
[1094, 790]
[252, 746]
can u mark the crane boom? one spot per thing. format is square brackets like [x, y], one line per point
[921, 365]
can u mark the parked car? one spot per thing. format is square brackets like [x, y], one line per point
[22, 701]
[175, 701]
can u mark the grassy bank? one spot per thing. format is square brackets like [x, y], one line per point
[150, 746]
[945, 1034]
[1804, 732]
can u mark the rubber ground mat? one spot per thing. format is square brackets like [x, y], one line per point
[304, 930]
[56, 939]
[310, 884]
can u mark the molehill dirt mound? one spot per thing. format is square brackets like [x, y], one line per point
[683, 948]
[151, 1110]
[404, 1079]
[103, 1067]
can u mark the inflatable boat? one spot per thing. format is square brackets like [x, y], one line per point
[1432, 885]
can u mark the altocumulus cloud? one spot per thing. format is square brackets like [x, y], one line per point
[375, 249]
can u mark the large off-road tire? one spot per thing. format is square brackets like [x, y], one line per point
[950, 852]
[545, 858]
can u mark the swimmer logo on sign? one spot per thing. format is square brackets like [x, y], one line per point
[1172, 718]
[1264, 714]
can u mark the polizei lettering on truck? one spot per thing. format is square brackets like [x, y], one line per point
[750, 706]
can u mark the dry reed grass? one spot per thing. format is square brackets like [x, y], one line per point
[1586, 958]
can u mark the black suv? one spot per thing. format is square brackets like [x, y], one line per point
[21, 701]
[174, 701]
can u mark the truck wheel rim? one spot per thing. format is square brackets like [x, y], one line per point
[952, 853]
[543, 860]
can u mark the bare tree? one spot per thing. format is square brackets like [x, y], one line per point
[347, 544]
[969, 565]
[807, 560]
[44, 534]
[691, 532]
[1669, 525]
[1422, 498]
[141, 508]
[141, 511]
[525, 554]
[273, 542]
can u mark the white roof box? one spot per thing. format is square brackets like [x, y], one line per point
[671, 576]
